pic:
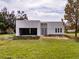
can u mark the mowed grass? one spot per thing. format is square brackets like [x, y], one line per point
[39, 49]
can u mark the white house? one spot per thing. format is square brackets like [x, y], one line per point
[38, 28]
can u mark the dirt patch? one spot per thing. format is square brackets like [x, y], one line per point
[55, 37]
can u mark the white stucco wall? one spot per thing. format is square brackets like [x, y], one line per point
[37, 24]
[27, 24]
[52, 25]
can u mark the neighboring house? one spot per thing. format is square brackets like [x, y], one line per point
[38, 28]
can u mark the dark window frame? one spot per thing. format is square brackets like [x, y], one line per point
[28, 31]
[58, 30]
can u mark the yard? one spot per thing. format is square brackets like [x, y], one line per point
[39, 49]
[44, 48]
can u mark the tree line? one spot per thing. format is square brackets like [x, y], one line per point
[8, 20]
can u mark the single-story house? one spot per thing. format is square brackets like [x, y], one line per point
[38, 28]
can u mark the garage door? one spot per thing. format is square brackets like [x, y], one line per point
[28, 31]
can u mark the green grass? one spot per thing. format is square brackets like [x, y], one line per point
[39, 49]
[6, 35]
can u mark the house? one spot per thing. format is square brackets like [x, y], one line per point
[38, 28]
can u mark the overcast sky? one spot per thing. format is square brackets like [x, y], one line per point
[44, 10]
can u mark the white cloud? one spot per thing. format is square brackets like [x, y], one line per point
[37, 9]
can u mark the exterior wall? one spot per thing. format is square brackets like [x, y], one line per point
[37, 24]
[51, 28]
[27, 24]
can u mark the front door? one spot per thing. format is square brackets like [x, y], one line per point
[44, 31]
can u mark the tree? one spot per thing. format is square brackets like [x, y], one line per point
[9, 19]
[3, 25]
[72, 13]
[21, 15]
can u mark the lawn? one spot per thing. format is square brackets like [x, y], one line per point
[39, 49]
[6, 36]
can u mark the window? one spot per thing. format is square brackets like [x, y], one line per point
[55, 30]
[33, 31]
[61, 30]
[28, 31]
[58, 30]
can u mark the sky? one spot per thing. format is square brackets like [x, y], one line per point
[44, 10]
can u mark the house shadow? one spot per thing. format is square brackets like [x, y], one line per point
[26, 37]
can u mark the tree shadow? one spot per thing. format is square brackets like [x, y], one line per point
[72, 37]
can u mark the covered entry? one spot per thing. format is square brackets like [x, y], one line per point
[28, 31]
[43, 28]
